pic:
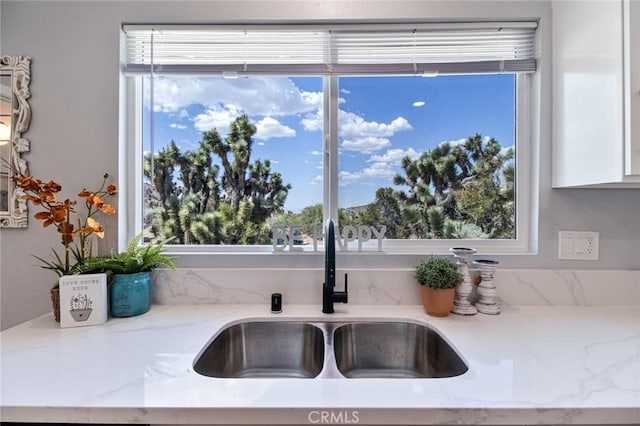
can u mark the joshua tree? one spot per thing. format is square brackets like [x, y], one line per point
[470, 182]
[164, 164]
[202, 207]
[238, 143]
[385, 210]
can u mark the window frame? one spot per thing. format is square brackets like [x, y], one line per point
[526, 121]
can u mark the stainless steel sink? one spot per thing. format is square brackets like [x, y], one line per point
[264, 349]
[359, 349]
[394, 350]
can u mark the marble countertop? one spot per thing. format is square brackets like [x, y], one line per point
[545, 365]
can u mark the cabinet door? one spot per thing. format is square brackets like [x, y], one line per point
[591, 100]
[632, 86]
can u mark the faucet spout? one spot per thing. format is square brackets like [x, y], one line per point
[329, 296]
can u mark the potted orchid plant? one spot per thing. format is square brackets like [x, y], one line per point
[75, 230]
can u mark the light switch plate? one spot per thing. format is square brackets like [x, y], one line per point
[578, 245]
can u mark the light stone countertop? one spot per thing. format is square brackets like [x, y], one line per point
[546, 365]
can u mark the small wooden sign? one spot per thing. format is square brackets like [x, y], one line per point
[83, 300]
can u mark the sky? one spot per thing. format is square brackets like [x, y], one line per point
[381, 120]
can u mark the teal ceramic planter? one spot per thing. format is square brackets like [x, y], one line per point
[130, 294]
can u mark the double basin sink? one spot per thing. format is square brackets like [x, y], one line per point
[308, 349]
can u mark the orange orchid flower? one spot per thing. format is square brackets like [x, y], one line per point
[108, 209]
[46, 217]
[67, 231]
[96, 201]
[28, 182]
[35, 200]
[93, 227]
[47, 197]
[52, 186]
[58, 213]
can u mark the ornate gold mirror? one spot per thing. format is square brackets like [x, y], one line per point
[15, 116]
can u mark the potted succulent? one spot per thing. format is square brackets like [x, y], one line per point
[439, 278]
[130, 288]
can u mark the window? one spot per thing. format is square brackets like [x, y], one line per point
[418, 130]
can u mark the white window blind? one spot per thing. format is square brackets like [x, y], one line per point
[443, 48]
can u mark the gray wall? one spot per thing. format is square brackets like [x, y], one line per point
[74, 131]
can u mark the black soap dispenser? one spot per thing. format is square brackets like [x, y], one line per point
[276, 303]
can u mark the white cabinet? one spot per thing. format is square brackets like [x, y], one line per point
[596, 93]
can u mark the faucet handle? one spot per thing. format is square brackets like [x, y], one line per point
[342, 296]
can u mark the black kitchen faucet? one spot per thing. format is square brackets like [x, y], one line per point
[329, 296]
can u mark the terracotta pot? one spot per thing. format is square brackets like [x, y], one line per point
[438, 302]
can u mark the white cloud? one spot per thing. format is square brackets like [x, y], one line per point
[312, 122]
[368, 136]
[177, 126]
[379, 170]
[345, 91]
[219, 118]
[354, 126]
[375, 171]
[315, 153]
[394, 156]
[504, 149]
[269, 96]
[316, 180]
[455, 142]
[357, 133]
[312, 99]
[346, 178]
[365, 145]
[383, 167]
[269, 127]
[418, 103]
